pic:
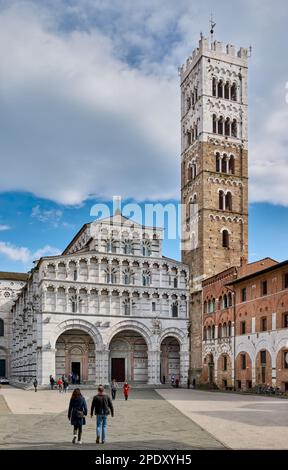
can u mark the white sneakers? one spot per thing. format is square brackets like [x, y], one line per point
[79, 442]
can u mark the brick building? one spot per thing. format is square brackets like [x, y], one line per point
[245, 326]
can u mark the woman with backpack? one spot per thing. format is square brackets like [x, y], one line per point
[76, 414]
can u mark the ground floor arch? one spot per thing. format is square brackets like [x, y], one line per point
[3, 363]
[169, 359]
[128, 357]
[75, 353]
[263, 367]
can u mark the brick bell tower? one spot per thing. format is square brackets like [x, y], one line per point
[214, 170]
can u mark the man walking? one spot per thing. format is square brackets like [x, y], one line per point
[35, 383]
[102, 406]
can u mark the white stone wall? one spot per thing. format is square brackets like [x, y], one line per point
[9, 289]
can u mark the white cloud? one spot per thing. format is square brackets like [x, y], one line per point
[23, 254]
[90, 95]
[47, 216]
[4, 227]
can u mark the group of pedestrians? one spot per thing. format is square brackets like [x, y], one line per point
[62, 383]
[101, 406]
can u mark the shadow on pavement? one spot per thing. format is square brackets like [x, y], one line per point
[131, 445]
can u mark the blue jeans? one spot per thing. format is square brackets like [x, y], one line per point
[101, 426]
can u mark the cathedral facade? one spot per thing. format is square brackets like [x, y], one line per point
[110, 306]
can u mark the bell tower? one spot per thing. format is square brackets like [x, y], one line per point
[214, 169]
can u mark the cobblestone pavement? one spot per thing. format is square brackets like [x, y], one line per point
[30, 420]
[239, 421]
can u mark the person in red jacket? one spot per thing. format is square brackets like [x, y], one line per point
[126, 390]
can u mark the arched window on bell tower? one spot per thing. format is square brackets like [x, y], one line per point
[214, 123]
[227, 127]
[231, 165]
[225, 238]
[220, 89]
[227, 91]
[220, 125]
[228, 201]
[218, 162]
[221, 200]
[234, 128]
[234, 92]
[214, 86]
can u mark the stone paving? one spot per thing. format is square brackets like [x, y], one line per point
[239, 421]
[30, 420]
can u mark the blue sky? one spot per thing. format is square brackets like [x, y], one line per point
[89, 97]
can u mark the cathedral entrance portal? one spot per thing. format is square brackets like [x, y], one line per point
[128, 357]
[75, 354]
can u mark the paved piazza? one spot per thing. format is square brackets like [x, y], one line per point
[164, 419]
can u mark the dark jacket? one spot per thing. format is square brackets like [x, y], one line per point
[77, 404]
[102, 404]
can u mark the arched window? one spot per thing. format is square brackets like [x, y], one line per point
[194, 170]
[234, 128]
[224, 163]
[218, 162]
[146, 278]
[231, 165]
[228, 201]
[220, 126]
[227, 127]
[220, 331]
[227, 91]
[127, 247]
[193, 205]
[189, 172]
[229, 328]
[205, 333]
[1, 327]
[213, 331]
[209, 336]
[224, 330]
[220, 89]
[225, 239]
[175, 282]
[127, 307]
[225, 301]
[146, 248]
[189, 138]
[234, 92]
[205, 306]
[214, 124]
[229, 299]
[110, 246]
[175, 310]
[214, 86]
[221, 200]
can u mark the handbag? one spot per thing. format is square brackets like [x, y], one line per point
[79, 414]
